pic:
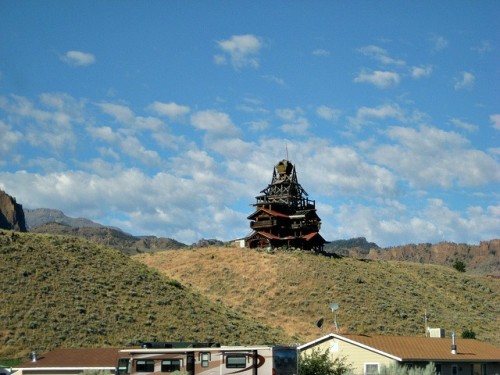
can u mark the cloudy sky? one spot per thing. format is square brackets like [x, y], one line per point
[166, 118]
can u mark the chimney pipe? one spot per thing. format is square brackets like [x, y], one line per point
[33, 356]
[453, 344]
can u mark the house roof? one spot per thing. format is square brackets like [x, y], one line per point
[76, 358]
[267, 211]
[312, 235]
[404, 348]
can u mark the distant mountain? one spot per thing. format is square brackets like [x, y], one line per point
[41, 216]
[11, 213]
[208, 243]
[340, 247]
[482, 259]
[46, 220]
[112, 237]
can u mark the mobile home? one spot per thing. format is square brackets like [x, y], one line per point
[210, 360]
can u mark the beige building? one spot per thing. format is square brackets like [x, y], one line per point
[367, 354]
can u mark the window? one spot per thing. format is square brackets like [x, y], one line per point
[454, 370]
[205, 359]
[371, 368]
[145, 365]
[438, 368]
[170, 365]
[236, 361]
[123, 366]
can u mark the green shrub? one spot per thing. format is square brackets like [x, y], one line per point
[459, 266]
[468, 334]
[396, 369]
[318, 363]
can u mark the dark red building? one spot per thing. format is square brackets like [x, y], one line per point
[284, 216]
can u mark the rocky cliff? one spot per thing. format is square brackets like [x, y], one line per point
[11, 213]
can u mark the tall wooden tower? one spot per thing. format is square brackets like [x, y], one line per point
[284, 215]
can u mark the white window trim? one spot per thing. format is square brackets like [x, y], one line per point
[371, 363]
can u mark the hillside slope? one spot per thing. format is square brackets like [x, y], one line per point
[294, 290]
[62, 291]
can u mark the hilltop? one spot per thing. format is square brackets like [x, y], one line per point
[63, 291]
[294, 289]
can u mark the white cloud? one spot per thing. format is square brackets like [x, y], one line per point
[320, 52]
[380, 55]
[439, 42]
[421, 71]
[464, 125]
[10, 137]
[258, 125]
[295, 121]
[241, 50]
[495, 119]
[299, 127]
[52, 127]
[133, 147]
[483, 48]
[104, 133]
[343, 170]
[274, 79]
[328, 113]
[366, 115]
[429, 156]
[78, 58]
[171, 110]
[465, 81]
[436, 222]
[120, 112]
[380, 79]
[213, 122]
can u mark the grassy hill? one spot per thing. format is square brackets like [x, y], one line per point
[63, 291]
[293, 290]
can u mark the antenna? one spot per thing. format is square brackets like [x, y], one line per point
[334, 307]
[286, 149]
[425, 322]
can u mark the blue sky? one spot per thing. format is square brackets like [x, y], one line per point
[166, 118]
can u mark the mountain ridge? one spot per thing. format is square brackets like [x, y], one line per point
[482, 259]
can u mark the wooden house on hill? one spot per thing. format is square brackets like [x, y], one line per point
[284, 216]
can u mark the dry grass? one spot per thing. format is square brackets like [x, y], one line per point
[61, 291]
[294, 290]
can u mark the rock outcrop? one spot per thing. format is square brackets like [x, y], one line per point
[11, 213]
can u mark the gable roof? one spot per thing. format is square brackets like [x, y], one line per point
[267, 211]
[404, 348]
[102, 358]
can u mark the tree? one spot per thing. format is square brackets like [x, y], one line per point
[318, 363]
[459, 266]
[468, 334]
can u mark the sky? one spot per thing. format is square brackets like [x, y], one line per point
[166, 118]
